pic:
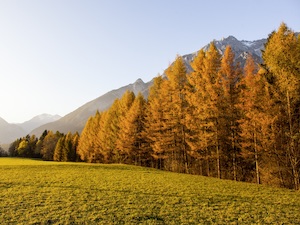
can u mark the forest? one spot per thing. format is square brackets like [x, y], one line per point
[220, 120]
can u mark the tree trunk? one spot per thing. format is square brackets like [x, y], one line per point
[291, 146]
[217, 150]
[218, 163]
[234, 166]
[207, 163]
[200, 167]
[256, 156]
[233, 156]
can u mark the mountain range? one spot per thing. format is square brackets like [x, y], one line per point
[10, 132]
[75, 121]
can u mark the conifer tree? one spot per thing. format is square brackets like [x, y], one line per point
[73, 156]
[256, 121]
[202, 114]
[131, 141]
[174, 116]
[212, 92]
[85, 145]
[281, 57]
[103, 136]
[49, 144]
[39, 144]
[230, 76]
[68, 147]
[194, 112]
[59, 148]
[110, 134]
[23, 147]
[154, 130]
[109, 131]
[12, 150]
[88, 146]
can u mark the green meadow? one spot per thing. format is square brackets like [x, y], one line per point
[38, 192]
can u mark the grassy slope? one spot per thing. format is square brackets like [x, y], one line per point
[36, 192]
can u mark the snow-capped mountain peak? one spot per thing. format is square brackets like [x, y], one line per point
[38, 120]
[247, 43]
[45, 117]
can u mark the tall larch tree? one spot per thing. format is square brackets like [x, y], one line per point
[89, 148]
[281, 57]
[202, 114]
[174, 116]
[109, 132]
[154, 129]
[194, 113]
[131, 141]
[212, 64]
[230, 76]
[256, 121]
[248, 104]
[115, 115]
[103, 137]
[85, 144]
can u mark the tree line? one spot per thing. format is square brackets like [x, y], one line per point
[50, 146]
[219, 120]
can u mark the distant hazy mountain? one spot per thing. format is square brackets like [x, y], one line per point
[10, 132]
[38, 121]
[76, 120]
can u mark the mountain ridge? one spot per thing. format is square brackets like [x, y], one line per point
[75, 120]
[37, 121]
[11, 131]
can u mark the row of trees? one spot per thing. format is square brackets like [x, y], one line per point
[50, 146]
[219, 120]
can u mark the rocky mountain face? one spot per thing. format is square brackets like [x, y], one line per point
[10, 132]
[76, 120]
[241, 50]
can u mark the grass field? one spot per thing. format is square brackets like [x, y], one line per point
[37, 192]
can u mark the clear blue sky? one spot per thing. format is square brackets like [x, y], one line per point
[56, 55]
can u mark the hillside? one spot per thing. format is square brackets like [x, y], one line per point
[38, 121]
[10, 132]
[76, 120]
[37, 192]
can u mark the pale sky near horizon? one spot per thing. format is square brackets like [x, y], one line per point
[57, 55]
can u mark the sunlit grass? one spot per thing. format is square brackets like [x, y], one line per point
[37, 192]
